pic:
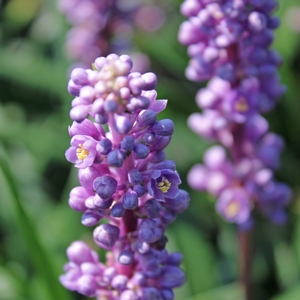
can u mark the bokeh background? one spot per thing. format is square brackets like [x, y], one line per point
[36, 223]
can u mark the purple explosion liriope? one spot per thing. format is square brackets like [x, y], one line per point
[124, 179]
[228, 41]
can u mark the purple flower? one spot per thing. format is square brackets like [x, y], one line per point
[234, 205]
[164, 184]
[82, 151]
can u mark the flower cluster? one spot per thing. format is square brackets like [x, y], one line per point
[100, 27]
[228, 41]
[125, 179]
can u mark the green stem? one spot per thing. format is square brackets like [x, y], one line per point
[37, 252]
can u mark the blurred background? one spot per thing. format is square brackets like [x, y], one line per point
[36, 222]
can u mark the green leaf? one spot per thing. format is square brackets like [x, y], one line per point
[231, 291]
[199, 260]
[39, 256]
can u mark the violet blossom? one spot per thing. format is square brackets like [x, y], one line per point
[229, 45]
[126, 180]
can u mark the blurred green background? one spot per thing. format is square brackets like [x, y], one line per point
[36, 223]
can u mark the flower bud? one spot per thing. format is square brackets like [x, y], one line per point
[87, 176]
[116, 157]
[167, 217]
[73, 88]
[102, 204]
[150, 80]
[79, 112]
[140, 190]
[166, 164]
[146, 118]
[149, 231]
[127, 143]
[172, 277]
[141, 150]
[135, 177]
[104, 146]
[106, 235]
[78, 252]
[157, 156]
[148, 138]
[119, 282]
[163, 127]
[122, 124]
[105, 186]
[117, 211]
[91, 218]
[87, 285]
[130, 200]
[101, 118]
[178, 204]
[79, 76]
[78, 195]
[152, 208]
[125, 257]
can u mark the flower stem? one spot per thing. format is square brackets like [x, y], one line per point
[245, 262]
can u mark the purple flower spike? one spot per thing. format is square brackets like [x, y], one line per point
[230, 47]
[105, 186]
[164, 184]
[106, 235]
[125, 179]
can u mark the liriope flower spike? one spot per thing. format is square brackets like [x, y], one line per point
[229, 45]
[117, 144]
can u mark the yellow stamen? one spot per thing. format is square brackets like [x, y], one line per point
[81, 153]
[164, 185]
[241, 105]
[232, 209]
